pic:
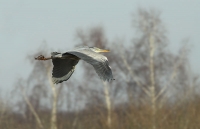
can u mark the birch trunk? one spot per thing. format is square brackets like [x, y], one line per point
[54, 102]
[108, 103]
[152, 79]
[32, 110]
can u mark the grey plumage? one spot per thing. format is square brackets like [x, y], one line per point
[64, 64]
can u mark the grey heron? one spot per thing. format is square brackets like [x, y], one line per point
[64, 63]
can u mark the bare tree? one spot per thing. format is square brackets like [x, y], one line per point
[54, 100]
[37, 89]
[32, 109]
[96, 38]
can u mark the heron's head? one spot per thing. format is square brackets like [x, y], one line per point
[97, 50]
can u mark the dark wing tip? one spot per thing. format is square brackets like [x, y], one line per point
[57, 80]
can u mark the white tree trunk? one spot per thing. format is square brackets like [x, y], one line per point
[32, 109]
[108, 103]
[54, 102]
[152, 79]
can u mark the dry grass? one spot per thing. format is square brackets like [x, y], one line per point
[185, 116]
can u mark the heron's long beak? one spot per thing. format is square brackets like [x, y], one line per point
[103, 50]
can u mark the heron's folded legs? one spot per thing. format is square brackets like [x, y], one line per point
[41, 57]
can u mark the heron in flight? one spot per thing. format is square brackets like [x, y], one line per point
[64, 63]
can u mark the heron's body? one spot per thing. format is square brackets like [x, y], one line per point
[64, 63]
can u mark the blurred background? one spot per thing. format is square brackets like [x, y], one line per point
[154, 57]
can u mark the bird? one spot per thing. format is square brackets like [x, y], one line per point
[64, 63]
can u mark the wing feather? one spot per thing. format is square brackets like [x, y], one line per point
[98, 61]
[63, 69]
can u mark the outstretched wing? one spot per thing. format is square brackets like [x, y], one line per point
[63, 69]
[98, 61]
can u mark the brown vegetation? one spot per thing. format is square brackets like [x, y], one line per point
[185, 116]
